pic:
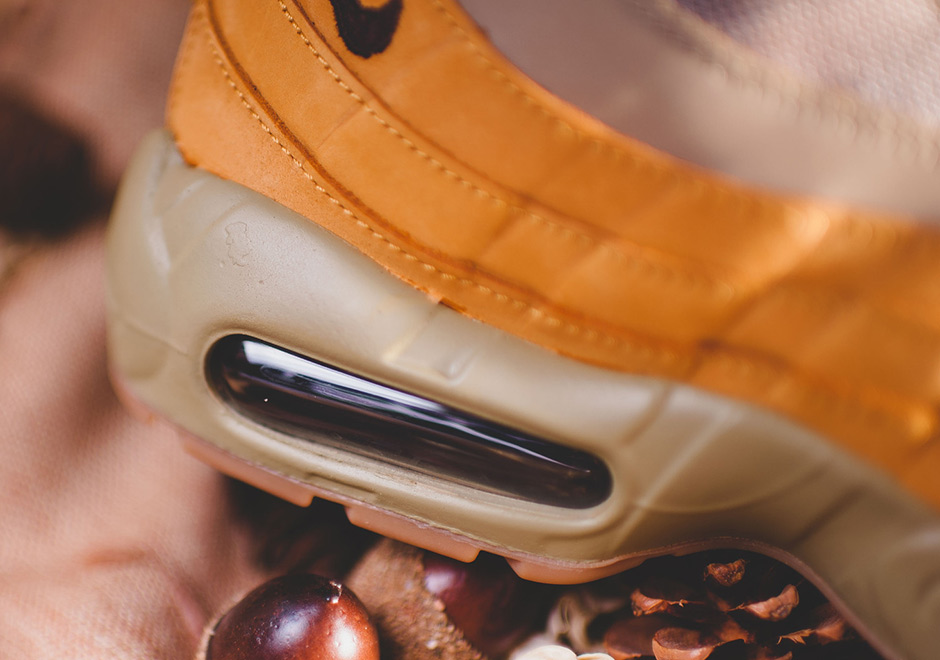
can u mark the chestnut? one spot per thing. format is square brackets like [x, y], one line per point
[295, 617]
[493, 607]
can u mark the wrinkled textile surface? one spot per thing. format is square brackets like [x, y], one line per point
[888, 52]
[113, 542]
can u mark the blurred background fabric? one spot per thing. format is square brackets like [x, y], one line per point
[113, 542]
[888, 52]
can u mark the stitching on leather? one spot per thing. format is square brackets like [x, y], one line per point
[537, 106]
[877, 232]
[902, 133]
[915, 334]
[851, 403]
[933, 151]
[683, 178]
[663, 271]
[878, 408]
[666, 355]
[436, 164]
[871, 407]
[912, 331]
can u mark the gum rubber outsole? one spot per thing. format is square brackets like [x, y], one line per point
[193, 258]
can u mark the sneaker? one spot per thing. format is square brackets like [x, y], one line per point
[684, 300]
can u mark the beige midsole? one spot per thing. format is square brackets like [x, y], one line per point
[193, 258]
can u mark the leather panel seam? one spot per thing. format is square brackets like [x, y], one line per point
[663, 272]
[404, 122]
[651, 266]
[591, 334]
[537, 314]
[703, 187]
[901, 132]
[851, 404]
[568, 232]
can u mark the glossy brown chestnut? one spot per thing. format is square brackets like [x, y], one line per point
[296, 617]
[493, 607]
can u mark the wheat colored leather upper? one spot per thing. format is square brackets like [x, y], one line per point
[459, 175]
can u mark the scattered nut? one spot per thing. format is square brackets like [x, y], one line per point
[411, 621]
[554, 652]
[493, 607]
[296, 617]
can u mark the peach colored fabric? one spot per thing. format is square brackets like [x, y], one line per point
[887, 51]
[113, 542]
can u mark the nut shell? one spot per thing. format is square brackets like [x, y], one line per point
[295, 617]
[495, 609]
[412, 622]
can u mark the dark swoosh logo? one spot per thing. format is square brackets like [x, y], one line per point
[366, 31]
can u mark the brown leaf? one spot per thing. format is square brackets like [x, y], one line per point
[775, 608]
[726, 574]
[682, 644]
[766, 653]
[731, 631]
[683, 612]
[632, 637]
[833, 629]
[826, 626]
[644, 605]
[660, 595]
